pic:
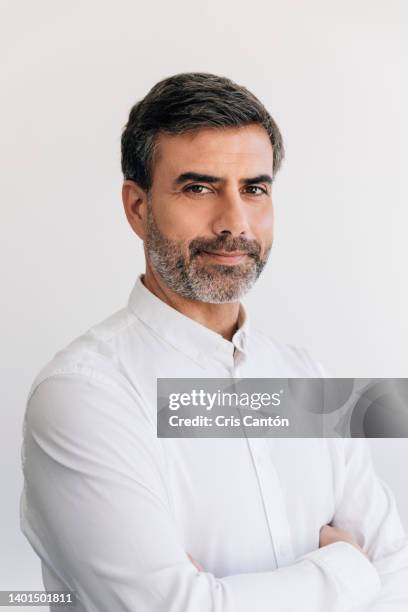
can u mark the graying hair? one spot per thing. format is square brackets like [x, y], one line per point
[184, 103]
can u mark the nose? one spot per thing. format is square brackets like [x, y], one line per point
[231, 216]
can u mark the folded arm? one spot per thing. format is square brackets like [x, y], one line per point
[98, 513]
[368, 512]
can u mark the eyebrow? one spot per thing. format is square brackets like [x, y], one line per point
[209, 178]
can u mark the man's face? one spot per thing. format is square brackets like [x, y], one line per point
[209, 226]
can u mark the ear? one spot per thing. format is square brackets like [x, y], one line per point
[134, 200]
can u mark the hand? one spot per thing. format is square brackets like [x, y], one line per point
[329, 535]
[194, 562]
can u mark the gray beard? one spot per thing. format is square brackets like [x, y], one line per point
[196, 279]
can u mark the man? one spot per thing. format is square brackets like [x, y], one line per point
[132, 522]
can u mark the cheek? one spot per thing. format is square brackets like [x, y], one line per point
[263, 224]
[184, 223]
[168, 219]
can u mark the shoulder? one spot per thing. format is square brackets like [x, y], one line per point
[83, 390]
[94, 355]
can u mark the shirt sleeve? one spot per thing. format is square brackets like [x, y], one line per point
[368, 511]
[97, 511]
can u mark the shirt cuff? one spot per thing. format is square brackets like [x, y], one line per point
[358, 579]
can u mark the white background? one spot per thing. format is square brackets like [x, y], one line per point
[332, 73]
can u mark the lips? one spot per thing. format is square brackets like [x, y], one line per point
[224, 257]
[226, 253]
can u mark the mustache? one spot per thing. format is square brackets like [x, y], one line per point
[225, 243]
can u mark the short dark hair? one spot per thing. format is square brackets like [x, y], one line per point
[186, 103]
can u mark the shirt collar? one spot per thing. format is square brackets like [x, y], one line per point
[184, 333]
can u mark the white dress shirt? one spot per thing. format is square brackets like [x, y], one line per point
[112, 510]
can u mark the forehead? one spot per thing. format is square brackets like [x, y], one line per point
[245, 149]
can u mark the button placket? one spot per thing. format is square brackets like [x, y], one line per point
[273, 500]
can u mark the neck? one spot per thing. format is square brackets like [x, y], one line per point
[221, 318]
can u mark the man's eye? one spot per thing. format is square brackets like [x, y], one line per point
[255, 190]
[198, 189]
